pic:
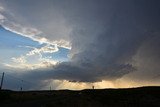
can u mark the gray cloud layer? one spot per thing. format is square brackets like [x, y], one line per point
[109, 38]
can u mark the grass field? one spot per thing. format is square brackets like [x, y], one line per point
[133, 97]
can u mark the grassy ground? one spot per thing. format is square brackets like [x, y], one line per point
[135, 97]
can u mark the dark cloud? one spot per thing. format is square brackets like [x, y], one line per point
[106, 36]
[109, 39]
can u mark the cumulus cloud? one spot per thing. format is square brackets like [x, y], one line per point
[21, 59]
[109, 39]
[45, 49]
[34, 58]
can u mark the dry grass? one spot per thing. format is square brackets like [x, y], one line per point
[136, 97]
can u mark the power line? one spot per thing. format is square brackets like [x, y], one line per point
[20, 79]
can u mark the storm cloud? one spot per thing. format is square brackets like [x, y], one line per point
[109, 39]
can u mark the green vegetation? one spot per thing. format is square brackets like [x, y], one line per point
[135, 97]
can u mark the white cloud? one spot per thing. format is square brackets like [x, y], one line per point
[34, 59]
[28, 66]
[21, 60]
[21, 30]
[45, 49]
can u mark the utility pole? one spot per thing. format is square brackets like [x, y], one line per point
[50, 88]
[93, 87]
[21, 85]
[2, 81]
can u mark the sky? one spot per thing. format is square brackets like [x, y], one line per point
[75, 44]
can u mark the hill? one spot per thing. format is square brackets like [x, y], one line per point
[131, 97]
